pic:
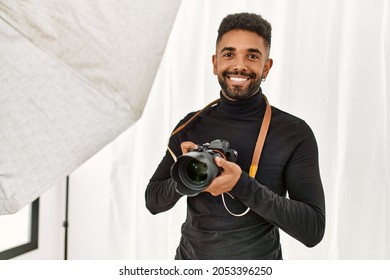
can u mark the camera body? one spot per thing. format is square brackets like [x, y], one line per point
[195, 170]
[221, 147]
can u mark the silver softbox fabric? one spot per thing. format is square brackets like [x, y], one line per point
[73, 76]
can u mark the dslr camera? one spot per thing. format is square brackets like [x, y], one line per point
[195, 170]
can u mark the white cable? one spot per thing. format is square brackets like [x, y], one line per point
[231, 213]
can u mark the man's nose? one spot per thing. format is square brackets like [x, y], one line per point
[240, 64]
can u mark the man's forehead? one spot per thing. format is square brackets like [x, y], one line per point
[240, 37]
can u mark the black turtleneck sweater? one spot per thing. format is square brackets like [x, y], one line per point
[287, 192]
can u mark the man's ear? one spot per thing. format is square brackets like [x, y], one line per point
[267, 67]
[214, 59]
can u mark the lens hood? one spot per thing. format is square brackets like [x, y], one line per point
[194, 172]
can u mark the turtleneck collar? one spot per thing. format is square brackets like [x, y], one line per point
[252, 107]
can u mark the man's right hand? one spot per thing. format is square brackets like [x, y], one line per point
[187, 146]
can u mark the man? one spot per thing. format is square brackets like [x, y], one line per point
[237, 216]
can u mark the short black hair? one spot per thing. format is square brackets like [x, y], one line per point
[246, 21]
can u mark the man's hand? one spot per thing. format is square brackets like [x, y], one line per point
[187, 146]
[227, 180]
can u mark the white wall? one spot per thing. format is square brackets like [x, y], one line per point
[89, 197]
[51, 231]
[88, 214]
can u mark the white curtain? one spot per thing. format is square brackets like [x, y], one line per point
[73, 76]
[331, 68]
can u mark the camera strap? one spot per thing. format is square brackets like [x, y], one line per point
[190, 120]
[194, 116]
[260, 139]
[258, 147]
[257, 152]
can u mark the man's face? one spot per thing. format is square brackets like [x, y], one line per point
[240, 62]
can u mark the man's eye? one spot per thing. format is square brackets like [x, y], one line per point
[253, 56]
[228, 55]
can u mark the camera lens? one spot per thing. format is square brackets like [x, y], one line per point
[193, 172]
[197, 171]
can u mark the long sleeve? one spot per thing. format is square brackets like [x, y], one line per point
[160, 194]
[302, 215]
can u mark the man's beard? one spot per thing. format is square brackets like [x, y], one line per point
[237, 92]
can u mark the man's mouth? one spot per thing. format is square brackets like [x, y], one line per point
[238, 78]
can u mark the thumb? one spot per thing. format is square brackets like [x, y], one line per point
[220, 161]
[226, 165]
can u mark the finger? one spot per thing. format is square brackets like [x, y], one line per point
[228, 167]
[218, 161]
[221, 162]
[187, 146]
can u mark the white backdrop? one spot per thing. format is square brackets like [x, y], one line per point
[331, 68]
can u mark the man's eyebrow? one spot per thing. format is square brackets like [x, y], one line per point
[255, 51]
[230, 49]
[251, 50]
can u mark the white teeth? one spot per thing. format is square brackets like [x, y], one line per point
[238, 79]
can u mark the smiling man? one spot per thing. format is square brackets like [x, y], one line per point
[241, 62]
[273, 184]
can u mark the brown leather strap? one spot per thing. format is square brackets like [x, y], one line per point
[260, 139]
[194, 116]
[187, 122]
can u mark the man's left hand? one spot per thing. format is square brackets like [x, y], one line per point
[227, 180]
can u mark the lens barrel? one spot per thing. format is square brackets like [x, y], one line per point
[194, 172]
